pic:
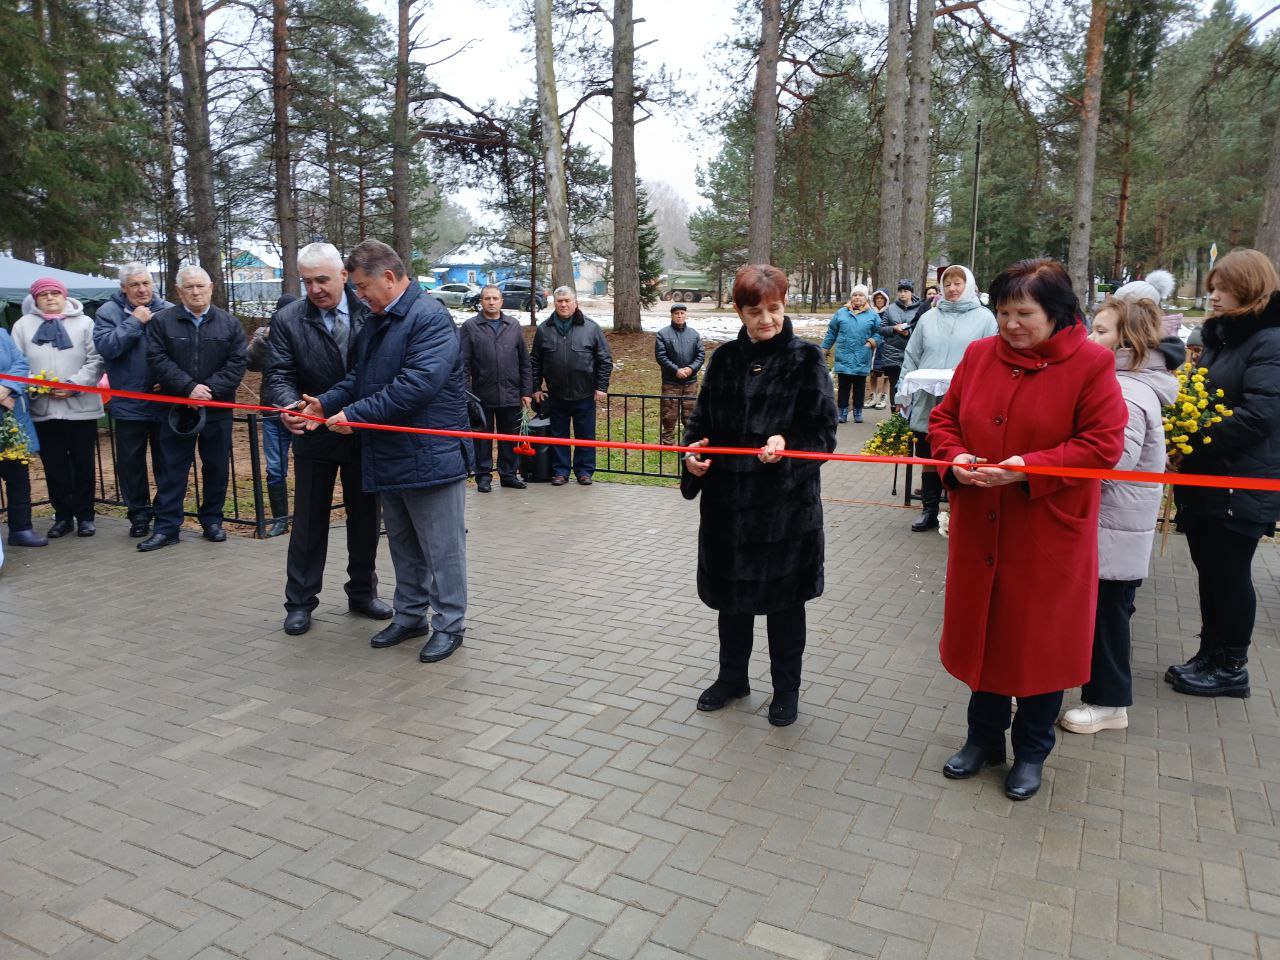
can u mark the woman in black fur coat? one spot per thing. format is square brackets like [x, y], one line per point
[760, 542]
[1223, 527]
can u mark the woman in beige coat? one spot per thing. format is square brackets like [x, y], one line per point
[57, 339]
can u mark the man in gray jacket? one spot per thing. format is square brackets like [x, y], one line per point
[496, 362]
[679, 352]
[571, 355]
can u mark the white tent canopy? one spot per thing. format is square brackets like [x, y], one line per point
[16, 277]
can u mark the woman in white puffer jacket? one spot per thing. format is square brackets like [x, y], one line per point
[1127, 519]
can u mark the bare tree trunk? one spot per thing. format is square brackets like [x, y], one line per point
[401, 230]
[916, 158]
[1126, 173]
[286, 216]
[533, 244]
[1268, 237]
[764, 165]
[626, 235]
[557, 199]
[172, 253]
[189, 21]
[892, 119]
[1082, 219]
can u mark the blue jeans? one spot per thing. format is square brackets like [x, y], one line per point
[276, 439]
[582, 415]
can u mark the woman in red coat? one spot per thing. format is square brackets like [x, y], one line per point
[1022, 566]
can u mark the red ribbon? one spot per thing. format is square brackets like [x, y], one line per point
[1074, 473]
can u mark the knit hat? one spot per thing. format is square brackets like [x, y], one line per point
[1195, 338]
[907, 285]
[859, 289]
[46, 284]
[1158, 286]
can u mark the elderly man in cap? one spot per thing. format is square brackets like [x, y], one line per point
[120, 334]
[571, 354]
[195, 350]
[312, 347]
[408, 372]
[680, 354]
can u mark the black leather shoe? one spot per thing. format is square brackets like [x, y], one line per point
[440, 646]
[928, 520]
[27, 538]
[784, 708]
[720, 693]
[1023, 781]
[156, 541]
[395, 633]
[60, 528]
[214, 533]
[484, 484]
[297, 622]
[139, 528]
[515, 483]
[1202, 659]
[374, 609]
[971, 758]
[559, 481]
[1225, 675]
[585, 479]
[85, 528]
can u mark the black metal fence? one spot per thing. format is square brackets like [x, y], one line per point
[637, 418]
[245, 488]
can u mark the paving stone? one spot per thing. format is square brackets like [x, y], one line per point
[190, 782]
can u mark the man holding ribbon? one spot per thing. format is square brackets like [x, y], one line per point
[407, 372]
[310, 348]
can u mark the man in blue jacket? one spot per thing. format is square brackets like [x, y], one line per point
[408, 372]
[120, 334]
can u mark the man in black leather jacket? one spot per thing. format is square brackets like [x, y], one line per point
[570, 353]
[309, 350]
[680, 354]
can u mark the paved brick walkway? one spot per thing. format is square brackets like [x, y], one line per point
[179, 779]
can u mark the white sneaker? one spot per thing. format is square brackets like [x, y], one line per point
[1088, 718]
[882, 402]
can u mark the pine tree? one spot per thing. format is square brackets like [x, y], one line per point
[650, 249]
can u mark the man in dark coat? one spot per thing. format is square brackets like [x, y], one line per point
[496, 361]
[309, 350]
[408, 372]
[572, 356]
[679, 351]
[196, 350]
[120, 335]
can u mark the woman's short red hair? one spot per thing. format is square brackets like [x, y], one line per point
[757, 282]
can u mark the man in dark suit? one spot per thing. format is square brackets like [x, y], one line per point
[194, 350]
[309, 349]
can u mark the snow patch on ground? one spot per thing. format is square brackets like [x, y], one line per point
[717, 327]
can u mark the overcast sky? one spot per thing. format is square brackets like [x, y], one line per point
[684, 33]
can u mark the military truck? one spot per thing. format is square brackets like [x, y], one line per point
[686, 287]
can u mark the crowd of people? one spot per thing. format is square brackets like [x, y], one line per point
[1042, 570]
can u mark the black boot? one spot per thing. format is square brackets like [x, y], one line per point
[279, 496]
[1202, 659]
[1226, 675]
[930, 494]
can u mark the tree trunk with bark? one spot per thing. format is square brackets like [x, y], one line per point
[1082, 219]
[401, 148]
[626, 215]
[764, 165]
[892, 120]
[1126, 178]
[171, 255]
[557, 190]
[1268, 237]
[915, 157]
[286, 217]
[189, 21]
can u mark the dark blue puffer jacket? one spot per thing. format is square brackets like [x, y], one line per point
[408, 371]
[121, 338]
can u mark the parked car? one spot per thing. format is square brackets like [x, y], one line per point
[455, 294]
[515, 296]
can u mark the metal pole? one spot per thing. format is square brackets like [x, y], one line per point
[255, 470]
[973, 233]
